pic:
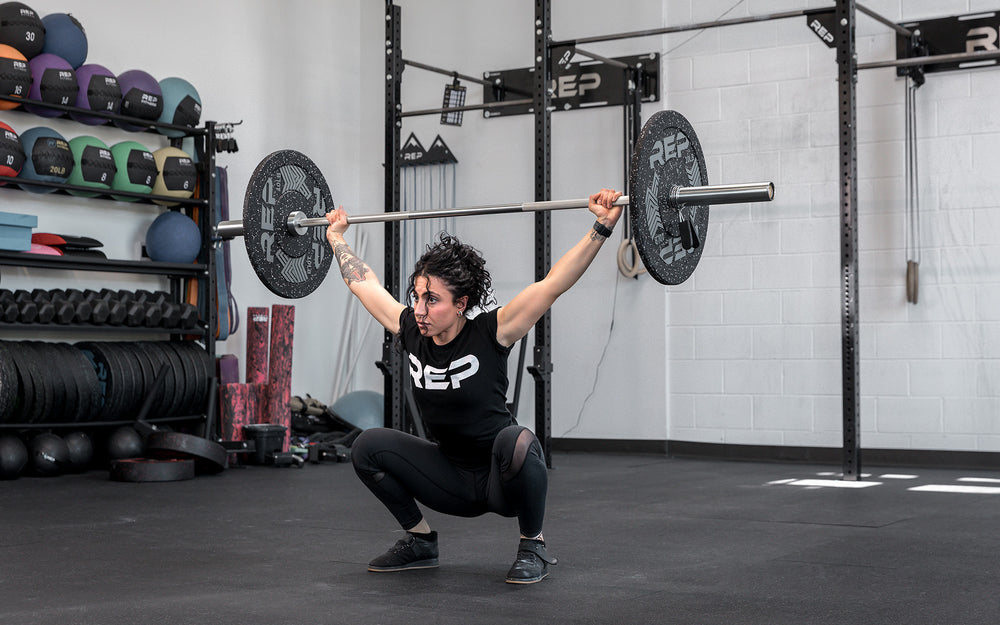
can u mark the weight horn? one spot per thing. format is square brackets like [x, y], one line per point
[283, 222]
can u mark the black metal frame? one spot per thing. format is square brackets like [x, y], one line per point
[845, 15]
[392, 358]
[850, 356]
[204, 270]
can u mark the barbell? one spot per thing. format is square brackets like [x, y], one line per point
[287, 198]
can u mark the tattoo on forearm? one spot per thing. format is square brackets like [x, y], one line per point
[594, 236]
[352, 268]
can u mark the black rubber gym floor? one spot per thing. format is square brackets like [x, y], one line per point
[641, 539]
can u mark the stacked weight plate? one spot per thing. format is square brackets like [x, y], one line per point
[95, 381]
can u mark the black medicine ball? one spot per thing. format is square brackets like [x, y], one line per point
[13, 457]
[49, 455]
[21, 29]
[124, 442]
[81, 451]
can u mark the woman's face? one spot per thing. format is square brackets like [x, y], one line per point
[439, 315]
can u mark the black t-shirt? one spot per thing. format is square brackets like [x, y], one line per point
[460, 388]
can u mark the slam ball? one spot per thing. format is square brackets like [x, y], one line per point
[98, 91]
[177, 174]
[48, 454]
[15, 76]
[124, 442]
[11, 152]
[65, 37]
[94, 165]
[46, 157]
[53, 81]
[81, 451]
[13, 457]
[141, 98]
[173, 238]
[135, 169]
[21, 28]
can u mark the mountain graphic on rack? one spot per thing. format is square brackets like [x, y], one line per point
[413, 153]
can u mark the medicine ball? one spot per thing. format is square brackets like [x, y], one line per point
[53, 81]
[176, 174]
[98, 91]
[48, 454]
[124, 442]
[15, 76]
[141, 98]
[173, 238]
[181, 105]
[135, 169]
[11, 152]
[21, 28]
[46, 157]
[13, 457]
[81, 451]
[65, 37]
[93, 165]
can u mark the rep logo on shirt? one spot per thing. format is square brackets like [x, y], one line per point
[437, 379]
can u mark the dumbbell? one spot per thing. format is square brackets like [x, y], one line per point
[99, 309]
[189, 316]
[65, 311]
[116, 309]
[169, 313]
[8, 307]
[139, 312]
[30, 311]
[175, 314]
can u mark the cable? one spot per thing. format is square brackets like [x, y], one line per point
[724, 13]
[604, 352]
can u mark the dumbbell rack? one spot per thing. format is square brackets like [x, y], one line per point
[203, 271]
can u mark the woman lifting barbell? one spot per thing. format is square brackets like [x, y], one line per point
[482, 461]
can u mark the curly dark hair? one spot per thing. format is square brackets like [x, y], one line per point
[460, 266]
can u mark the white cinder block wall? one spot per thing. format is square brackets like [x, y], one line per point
[754, 337]
[748, 350]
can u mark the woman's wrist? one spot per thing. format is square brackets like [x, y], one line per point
[602, 230]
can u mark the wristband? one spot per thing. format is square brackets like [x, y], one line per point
[602, 230]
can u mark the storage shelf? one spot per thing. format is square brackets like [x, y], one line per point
[145, 124]
[88, 328]
[88, 263]
[95, 424]
[101, 194]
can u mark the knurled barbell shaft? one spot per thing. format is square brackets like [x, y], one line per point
[678, 196]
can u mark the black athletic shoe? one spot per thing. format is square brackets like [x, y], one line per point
[411, 552]
[532, 563]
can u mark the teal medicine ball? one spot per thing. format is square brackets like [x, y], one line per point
[181, 105]
[65, 37]
[94, 166]
[47, 157]
[135, 169]
[173, 238]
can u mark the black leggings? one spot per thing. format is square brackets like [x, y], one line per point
[402, 469]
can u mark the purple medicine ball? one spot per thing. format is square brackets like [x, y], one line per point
[99, 91]
[53, 81]
[141, 97]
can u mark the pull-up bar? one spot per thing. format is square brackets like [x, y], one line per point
[666, 30]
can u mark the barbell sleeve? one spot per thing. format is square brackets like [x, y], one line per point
[678, 196]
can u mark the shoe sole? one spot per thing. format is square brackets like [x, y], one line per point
[423, 564]
[527, 581]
